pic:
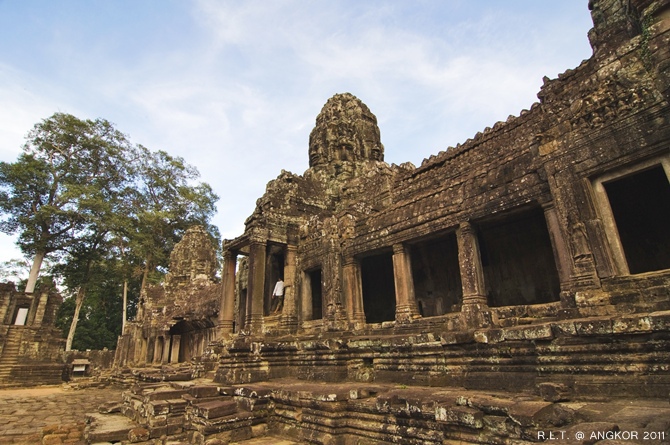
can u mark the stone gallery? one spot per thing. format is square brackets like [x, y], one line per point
[489, 295]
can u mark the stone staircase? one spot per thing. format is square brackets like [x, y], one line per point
[10, 355]
[183, 410]
[17, 370]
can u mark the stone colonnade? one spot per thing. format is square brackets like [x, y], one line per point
[163, 347]
[474, 306]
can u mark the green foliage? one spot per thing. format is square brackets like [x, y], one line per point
[100, 318]
[104, 212]
[163, 206]
[70, 170]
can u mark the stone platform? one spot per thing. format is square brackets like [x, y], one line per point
[204, 413]
[286, 412]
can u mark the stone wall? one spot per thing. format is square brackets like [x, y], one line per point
[31, 344]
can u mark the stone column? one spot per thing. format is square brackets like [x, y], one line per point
[41, 309]
[256, 287]
[353, 292]
[289, 316]
[227, 310]
[166, 349]
[157, 350]
[174, 353]
[405, 306]
[562, 255]
[474, 309]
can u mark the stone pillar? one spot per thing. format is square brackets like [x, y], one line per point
[166, 349]
[562, 255]
[289, 316]
[227, 308]
[32, 310]
[134, 358]
[405, 306]
[353, 292]
[41, 309]
[174, 353]
[158, 349]
[256, 287]
[474, 309]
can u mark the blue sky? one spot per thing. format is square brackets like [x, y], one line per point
[234, 87]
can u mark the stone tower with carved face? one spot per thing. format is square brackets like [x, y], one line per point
[346, 134]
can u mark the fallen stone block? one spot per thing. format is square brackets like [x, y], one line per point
[110, 407]
[554, 392]
[138, 435]
[108, 428]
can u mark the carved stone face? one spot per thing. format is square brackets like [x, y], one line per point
[345, 131]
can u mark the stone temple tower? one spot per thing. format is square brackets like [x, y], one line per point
[346, 135]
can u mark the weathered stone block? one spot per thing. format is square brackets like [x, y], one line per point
[251, 404]
[632, 324]
[159, 420]
[204, 391]
[554, 392]
[212, 410]
[460, 415]
[538, 332]
[660, 321]
[250, 391]
[158, 407]
[490, 336]
[564, 329]
[138, 435]
[593, 327]
[177, 405]
[163, 395]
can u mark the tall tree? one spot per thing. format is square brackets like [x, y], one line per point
[68, 169]
[165, 204]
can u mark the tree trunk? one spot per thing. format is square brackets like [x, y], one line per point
[73, 326]
[145, 273]
[34, 272]
[125, 306]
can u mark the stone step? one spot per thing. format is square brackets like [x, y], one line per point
[108, 428]
[215, 409]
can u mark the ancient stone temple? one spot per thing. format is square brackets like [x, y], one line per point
[175, 320]
[466, 300]
[32, 345]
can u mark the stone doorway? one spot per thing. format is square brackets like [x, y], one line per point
[378, 285]
[316, 294]
[274, 270]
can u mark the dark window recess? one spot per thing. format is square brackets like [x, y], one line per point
[641, 207]
[518, 260]
[317, 294]
[378, 288]
[436, 276]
